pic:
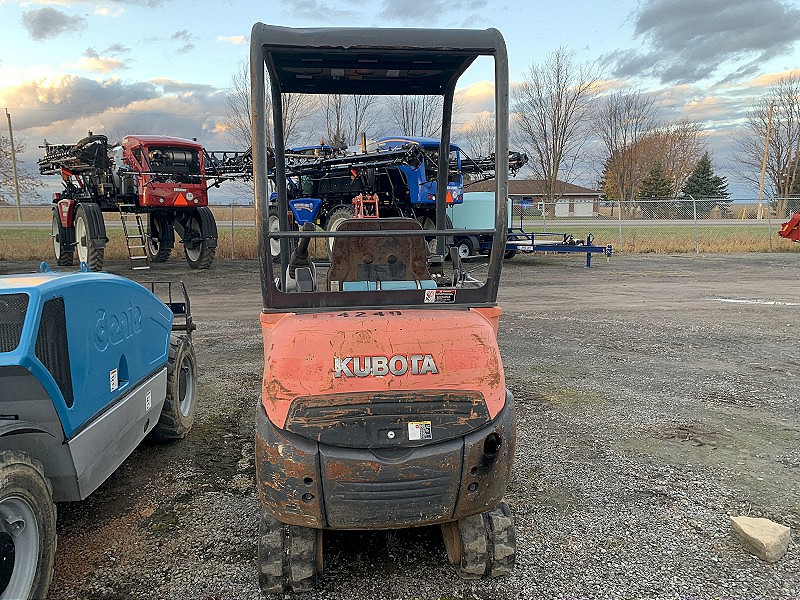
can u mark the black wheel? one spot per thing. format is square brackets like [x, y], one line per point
[27, 528]
[338, 215]
[287, 556]
[200, 238]
[156, 248]
[63, 241]
[274, 245]
[465, 248]
[426, 222]
[90, 236]
[177, 415]
[482, 545]
[509, 254]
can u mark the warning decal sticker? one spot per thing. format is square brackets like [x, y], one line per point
[420, 430]
[440, 296]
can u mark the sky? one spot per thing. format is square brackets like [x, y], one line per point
[164, 66]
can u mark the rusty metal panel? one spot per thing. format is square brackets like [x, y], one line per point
[380, 490]
[484, 477]
[387, 419]
[287, 475]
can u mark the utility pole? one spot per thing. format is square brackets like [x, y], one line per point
[14, 166]
[764, 163]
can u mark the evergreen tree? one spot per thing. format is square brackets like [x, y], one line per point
[707, 189]
[657, 186]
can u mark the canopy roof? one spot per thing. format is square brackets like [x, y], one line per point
[394, 61]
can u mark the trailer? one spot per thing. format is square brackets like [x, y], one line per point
[477, 211]
[519, 240]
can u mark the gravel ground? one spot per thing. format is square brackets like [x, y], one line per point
[649, 412]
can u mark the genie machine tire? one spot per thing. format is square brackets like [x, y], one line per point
[27, 527]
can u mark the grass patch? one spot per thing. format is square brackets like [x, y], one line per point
[242, 242]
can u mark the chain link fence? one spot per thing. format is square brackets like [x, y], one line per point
[671, 225]
[668, 225]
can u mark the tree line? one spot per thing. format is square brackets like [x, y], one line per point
[569, 124]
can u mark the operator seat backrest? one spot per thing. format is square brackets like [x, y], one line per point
[378, 258]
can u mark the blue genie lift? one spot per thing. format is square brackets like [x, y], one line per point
[90, 364]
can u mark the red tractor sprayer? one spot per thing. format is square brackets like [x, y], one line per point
[163, 179]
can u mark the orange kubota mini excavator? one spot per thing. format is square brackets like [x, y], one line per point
[384, 402]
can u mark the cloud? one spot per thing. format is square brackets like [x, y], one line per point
[117, 48]
[426, 12]
[171, 86]
[687, 41]
[315, 10]
[93, 61]
[476, 99]
[186, 37]
[232, 39]
[99, 10]
[47, 23]
[413, 12]
[107, 11]
[49, 101]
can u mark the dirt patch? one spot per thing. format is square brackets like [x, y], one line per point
[648, 413]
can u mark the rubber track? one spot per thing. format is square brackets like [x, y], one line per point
[488, 543]
[271, 553]
[502, 541]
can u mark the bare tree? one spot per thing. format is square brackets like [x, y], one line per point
[363, 116]
[551, 116]
[238, 114]
[416, 115]
[333, 108]
[28, 182]
[478, 135]
[346, 117]
[622, 122]
[297, 109]
[784, 139]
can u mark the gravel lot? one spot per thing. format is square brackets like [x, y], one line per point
[649, 411]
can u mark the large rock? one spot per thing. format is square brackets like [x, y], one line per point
[761, 537]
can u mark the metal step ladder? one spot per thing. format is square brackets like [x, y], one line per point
[135, 240]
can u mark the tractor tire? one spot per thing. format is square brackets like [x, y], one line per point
[180, 404]
[337, 216]
[200, 238]
[155, 247]
[27, 527]
[483, 544]
[427, 223]
[287, 557]
[273, 224]
[63, 242]
[509, 254]
[90, 236]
